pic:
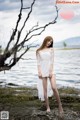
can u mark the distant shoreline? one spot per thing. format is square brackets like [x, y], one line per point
[56, 48]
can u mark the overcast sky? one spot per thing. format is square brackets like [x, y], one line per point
[43, 12]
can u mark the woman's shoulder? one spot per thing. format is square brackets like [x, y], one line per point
[49, 49]
[37, 52]
[52, 49]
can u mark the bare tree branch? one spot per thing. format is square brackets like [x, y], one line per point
[15, 30]
[36, 30]
[28, 15]
[34, 27]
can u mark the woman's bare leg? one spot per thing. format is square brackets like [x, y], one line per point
[55, 91]
[45, 93]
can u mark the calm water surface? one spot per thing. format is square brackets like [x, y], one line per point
[66, 68]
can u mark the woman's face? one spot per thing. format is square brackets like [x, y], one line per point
[49, 43]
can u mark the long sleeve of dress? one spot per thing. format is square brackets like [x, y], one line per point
[52, 56]
[38, 58]
[52, 60]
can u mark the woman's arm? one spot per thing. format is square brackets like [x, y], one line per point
[52, 61]
[38, 64]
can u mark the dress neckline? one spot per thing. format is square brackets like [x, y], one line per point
[46, 50]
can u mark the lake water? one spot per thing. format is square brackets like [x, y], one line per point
[66, 68]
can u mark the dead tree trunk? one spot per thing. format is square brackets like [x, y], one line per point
[18, 46]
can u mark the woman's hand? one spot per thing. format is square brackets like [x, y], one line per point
[51, 70]
[40, 74]
[50, 73]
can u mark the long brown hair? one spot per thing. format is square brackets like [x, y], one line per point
[48, 38]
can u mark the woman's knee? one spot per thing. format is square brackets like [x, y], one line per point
[54, 89]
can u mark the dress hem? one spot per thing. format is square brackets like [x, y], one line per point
[48, 76]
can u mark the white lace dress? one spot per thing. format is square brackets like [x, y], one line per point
[45, 59]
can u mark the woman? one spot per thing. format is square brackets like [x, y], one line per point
[45, 59]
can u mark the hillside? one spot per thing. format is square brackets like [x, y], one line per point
[73, 42]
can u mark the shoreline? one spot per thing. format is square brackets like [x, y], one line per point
[23, 103]
[12, 85]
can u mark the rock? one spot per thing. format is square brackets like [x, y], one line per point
[27, 106]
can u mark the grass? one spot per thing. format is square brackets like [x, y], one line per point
[23, 101]
[18, 95]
